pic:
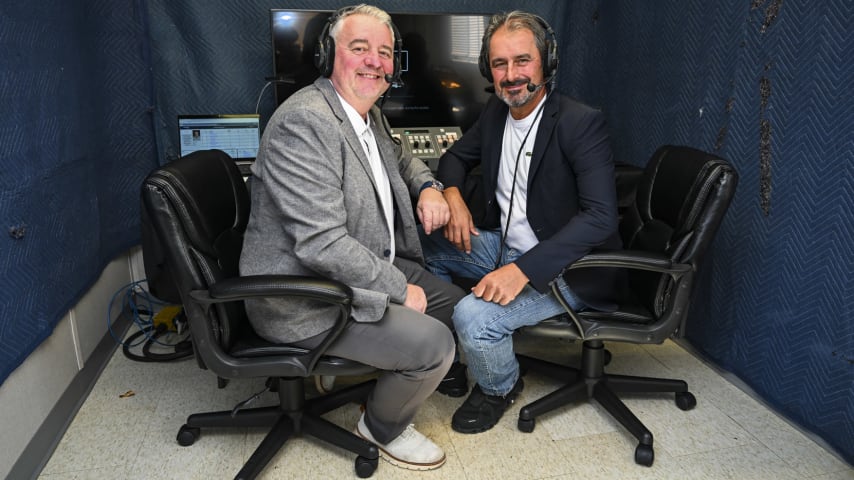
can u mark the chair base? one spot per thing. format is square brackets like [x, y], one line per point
[293, 416]
[591, 382]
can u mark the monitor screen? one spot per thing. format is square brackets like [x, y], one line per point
[442, 85]
[236, 135]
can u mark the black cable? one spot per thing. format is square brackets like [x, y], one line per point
[513, 187]
[133, 293]
[183, 349]
[386, 126]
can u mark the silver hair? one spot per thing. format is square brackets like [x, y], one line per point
[516, 20]
[361, 9]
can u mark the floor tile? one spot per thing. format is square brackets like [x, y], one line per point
[127, 428]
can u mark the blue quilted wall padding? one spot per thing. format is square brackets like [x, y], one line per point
[764, 83]
[75, 143]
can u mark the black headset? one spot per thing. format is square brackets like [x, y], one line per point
[324, 53]
[550, 59]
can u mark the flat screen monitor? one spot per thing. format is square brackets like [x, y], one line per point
[442, 84]
[236, 135]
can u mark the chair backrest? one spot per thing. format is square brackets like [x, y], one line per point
[194, 213]
[679, 204]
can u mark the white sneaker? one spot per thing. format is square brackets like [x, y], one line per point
[324, 383]
[410, 450]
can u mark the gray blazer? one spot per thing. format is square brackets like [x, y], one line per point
[316, 211]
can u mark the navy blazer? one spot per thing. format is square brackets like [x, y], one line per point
[572, 198]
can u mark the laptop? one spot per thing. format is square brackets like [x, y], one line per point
[236, 135]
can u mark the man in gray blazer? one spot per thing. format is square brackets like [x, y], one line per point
[332, 196]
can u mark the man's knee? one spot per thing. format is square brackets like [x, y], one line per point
[468, 316]
[435, 348]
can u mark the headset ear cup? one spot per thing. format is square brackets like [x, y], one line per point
[551, 59]
[550, 62]
[398, 53]
[483, 64]
[329, 56]
[324, 52]
[483, 61]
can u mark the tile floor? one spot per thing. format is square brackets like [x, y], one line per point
[729, 435]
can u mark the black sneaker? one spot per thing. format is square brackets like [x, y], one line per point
[480, 411]
[455, 383]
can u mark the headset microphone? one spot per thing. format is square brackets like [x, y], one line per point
[533, 86]
[393, 80]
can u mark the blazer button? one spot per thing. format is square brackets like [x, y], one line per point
[387, 253]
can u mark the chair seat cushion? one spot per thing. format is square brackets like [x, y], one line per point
[561, 326]
[626, 313]
[250, 345]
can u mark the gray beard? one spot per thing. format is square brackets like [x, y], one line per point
[518, 100]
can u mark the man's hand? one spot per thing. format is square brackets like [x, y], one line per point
[460, 227]
[432, 210]
[502, 285]
[415, 299]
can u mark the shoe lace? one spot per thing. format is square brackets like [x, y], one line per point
[409, 432]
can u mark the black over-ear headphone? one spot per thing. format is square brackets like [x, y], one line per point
[324, 53]
[550, 59]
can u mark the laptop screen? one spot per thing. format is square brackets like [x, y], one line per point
[236, 135]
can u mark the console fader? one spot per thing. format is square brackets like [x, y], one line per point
[427, 143]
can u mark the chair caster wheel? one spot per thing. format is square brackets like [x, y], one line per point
[644, 455]
[526, 426]
[187, 435]
[365, 467]
[686, 400]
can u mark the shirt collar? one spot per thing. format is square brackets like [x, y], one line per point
[359, 125]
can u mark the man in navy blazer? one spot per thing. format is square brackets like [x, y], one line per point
[549, 199]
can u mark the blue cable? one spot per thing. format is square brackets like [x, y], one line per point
[131, 290]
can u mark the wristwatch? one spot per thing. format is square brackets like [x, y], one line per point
[433, 184]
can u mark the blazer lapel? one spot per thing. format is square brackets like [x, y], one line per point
[548, 122]
[389, 154]
[493, 128]
[350, 135]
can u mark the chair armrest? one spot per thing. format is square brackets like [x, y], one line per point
[279, 286]
[255, 286]
[633, 259]
[681, 273]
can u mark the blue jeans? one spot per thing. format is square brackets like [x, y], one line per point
[485, 329]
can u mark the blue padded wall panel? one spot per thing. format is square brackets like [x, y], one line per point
[764, 84]
[75, 143]
[793, 338]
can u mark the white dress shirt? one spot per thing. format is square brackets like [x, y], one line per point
[369, 144]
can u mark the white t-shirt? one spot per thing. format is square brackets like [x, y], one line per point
[520, 235]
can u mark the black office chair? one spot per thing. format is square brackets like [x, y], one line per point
[681, 198]
[195, 211]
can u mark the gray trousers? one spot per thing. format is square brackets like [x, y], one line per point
[413, 349]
